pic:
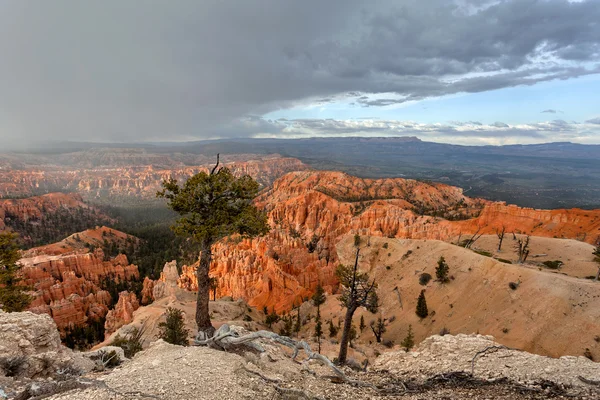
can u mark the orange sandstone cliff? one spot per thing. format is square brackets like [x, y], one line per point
[310, 211]
[67, 282]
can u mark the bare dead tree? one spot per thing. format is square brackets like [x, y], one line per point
[357, 291]
[500, 234]
[523, 249]
[474, 238]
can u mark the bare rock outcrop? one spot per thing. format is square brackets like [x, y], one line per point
[487, 359]
[34, 340]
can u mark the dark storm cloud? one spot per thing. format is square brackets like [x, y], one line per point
[155, 70]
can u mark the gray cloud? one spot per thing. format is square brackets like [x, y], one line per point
[549, 111]
[595, 121]
[454, 131]
[154, 70]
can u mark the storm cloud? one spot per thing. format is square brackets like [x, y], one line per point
[124, 70]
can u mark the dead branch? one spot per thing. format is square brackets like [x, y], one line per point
[484, 351]
[40, 390]
[589, 381]
[216, 165]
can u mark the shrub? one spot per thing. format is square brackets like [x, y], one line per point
[388, 343]
[333, 330]
[131, 343]
[441, 271]
[173, 329]
[106, 359]
[424, 278]
[588, 354]
[247, 318]
[513, 285]
[357, 240]
[444, 331]
[11, 366]
[385, 245]
[556, 264]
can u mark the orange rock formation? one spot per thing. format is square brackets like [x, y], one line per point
[133, 179]
[67, 285]
[310, 211]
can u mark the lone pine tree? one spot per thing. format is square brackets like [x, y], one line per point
[212, 206]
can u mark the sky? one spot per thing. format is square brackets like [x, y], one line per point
[454, 71]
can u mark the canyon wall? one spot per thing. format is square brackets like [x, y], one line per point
[310, 211]
[133, 179]
[33, 208]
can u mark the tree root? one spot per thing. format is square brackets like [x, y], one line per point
[484, 351]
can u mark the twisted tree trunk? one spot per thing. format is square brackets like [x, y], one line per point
[345, 336]
[202, 312]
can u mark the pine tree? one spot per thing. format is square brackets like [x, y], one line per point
[212, 206]
[422, 311]
[318, 298]
[288, 325]
[441, 272]
[379, 327]
[409, 341]
[298, 324]
[13, 296]
[173, 329]
[318, 330]
[362, 325]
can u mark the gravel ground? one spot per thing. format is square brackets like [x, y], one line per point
[164, 371]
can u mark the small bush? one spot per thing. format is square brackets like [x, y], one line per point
[106, 359]
[444, 331]
[504, 260]
[388, 267]
[483, 253]
[424, 278]
[513, 285]
[385, 245]
[173, 329]
[556, 264]
[505, 330]
[388, 343]
[131, 343]
[11, 366]
[247, 318]
[588, 354]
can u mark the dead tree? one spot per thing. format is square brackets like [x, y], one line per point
[473, 238]
[500, 235]
[522, 249]
[357, 291]
[379, 328]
